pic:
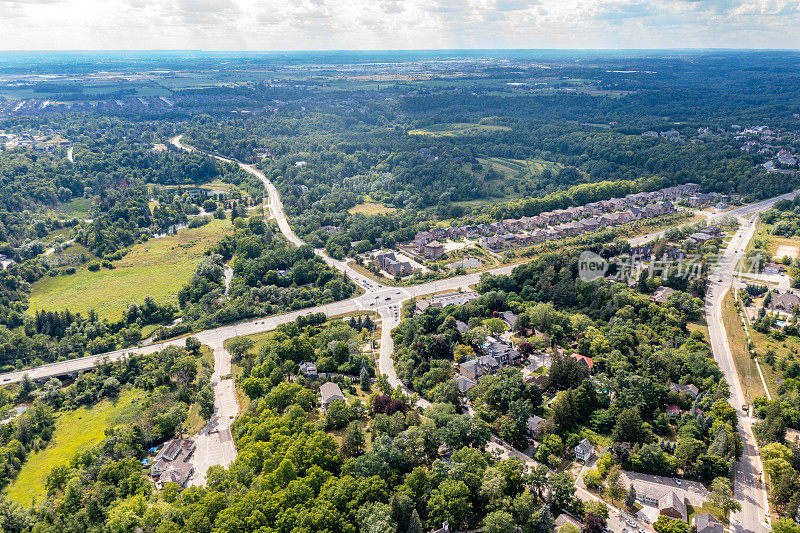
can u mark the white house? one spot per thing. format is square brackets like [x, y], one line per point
[584, 450]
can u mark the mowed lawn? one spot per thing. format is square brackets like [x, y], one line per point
[158, 267]
[75, 431]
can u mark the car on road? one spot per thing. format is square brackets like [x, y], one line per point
[630, 522]
[388, 298]
[677, 481]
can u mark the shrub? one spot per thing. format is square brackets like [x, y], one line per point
[94, 266]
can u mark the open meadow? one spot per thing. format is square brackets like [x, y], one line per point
[158, 267]
[75, 431]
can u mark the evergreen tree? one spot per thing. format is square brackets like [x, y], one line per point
[364, 379]
[415, 524]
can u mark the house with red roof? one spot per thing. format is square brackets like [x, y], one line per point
[583, 359]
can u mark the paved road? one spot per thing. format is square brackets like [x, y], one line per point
[276, 212]
[748, 488]
[217, 447]
[743, 211]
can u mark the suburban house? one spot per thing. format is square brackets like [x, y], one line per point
[772, 268]
[700, 199]
[673, 254]
[583, 360]
[534, 423]
[308, 369]
[705, 523]
[669, 504]
[480, 366]
[461, 327]
[509, 318]
[788, 301]
[464, 384]
[699, 238]
[389, 262]
[639, 253]
[433, 250]
[471, 370]
[503, 353]
[673, 506]
[584, 450]
[691, 390]
[674, 411]
[564, 519]
[328, 393]
[661, 294]
[421, 239]
[170, 465]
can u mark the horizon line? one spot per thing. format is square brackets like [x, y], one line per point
[368, 50]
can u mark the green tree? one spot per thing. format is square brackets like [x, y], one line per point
[629, 427]
[364, 379]
[499, 522]
[239, 346]
[193, 345]
[630, 499]
[722, 495]
[449, 502]
[614, 487]
[415, 524]
[668, 525]
[337, 415]
[353, 440]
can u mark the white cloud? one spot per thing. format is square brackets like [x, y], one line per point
[404, 24]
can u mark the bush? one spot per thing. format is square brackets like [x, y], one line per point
[108, 264]
[94, 266]
[199, 221]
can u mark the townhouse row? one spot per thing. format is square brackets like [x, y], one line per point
[561, 222]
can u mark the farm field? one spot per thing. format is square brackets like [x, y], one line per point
[458, 128]
[75, 431]
[371, 208]
[159, 268]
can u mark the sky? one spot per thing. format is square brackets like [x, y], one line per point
[396, 24]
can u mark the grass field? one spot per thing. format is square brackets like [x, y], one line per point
[457, 128]
[745, 366]
[75, 431]
[77, 207]
[371, 208]
[159, 268]
[533, 166]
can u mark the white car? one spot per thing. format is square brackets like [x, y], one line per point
[677, 481]
[630, 522]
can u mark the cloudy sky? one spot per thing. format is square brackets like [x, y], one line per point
[396, 24]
